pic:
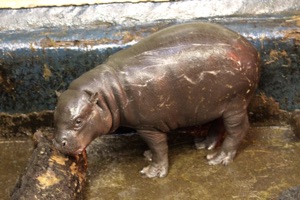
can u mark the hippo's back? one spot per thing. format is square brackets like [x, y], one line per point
[180, 35]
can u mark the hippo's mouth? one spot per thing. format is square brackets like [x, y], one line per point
[79, 151]
[68, 151]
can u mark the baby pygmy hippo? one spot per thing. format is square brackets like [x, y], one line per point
[181, 76]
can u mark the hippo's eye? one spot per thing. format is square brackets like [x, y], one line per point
[63, 142]
[78, 122]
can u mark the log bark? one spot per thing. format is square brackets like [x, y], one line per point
[290, 194]
[50, 174]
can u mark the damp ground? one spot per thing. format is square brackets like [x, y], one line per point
[14, 155]
[267, 164]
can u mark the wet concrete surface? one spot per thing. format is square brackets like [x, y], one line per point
[14, 155]
[267, 163]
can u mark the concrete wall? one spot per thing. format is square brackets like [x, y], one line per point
[43, 49]
[41, 3]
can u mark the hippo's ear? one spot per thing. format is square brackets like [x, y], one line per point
[93, 96]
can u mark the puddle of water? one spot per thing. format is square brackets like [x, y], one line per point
[267, 163]
[14, 155]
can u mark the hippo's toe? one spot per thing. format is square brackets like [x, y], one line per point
[155, 170]
[221, 157]
[206, 143]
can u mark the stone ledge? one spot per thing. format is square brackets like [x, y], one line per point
[133, 14]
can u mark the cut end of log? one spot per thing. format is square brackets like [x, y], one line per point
[50, 174]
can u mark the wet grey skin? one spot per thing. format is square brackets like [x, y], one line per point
[181, 76]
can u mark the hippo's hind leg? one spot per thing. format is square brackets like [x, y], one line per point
[214, 136]
[236, 124]
[157, 143]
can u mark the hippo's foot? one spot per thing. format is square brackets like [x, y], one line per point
[206, 143]
[221, 157]
[155, 170]
[148, 155]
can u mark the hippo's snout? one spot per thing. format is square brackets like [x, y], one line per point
[67, 147]
[61, 145]
[56, 144]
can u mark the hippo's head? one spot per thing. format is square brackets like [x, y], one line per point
[78, 120]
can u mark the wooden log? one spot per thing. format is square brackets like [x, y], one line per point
[290, 194]
[49, 174]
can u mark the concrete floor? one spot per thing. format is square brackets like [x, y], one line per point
[266, 165]
[14, 155]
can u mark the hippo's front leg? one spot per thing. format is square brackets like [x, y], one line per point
[157, 142]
